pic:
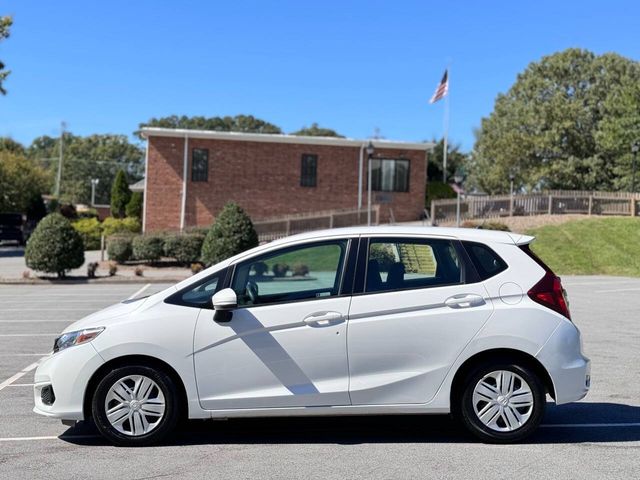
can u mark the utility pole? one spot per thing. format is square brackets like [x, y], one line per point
[63, 125]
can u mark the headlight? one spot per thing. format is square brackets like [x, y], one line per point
[78, 337]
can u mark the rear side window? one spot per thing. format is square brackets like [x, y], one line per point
[486, 261]
[406, 263]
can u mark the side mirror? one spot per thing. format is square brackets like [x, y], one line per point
[223, 303]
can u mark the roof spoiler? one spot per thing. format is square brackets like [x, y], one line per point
[519, 239]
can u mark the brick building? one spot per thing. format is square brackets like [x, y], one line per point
[191, 174]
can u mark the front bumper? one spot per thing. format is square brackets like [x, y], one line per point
[68, 372]
[569, 369]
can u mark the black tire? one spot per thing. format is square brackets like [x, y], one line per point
[465, 410]
[164, 426]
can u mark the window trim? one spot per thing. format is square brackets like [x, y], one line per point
[349, 251]
[382, 159]
[308, 156]
[206, 170]
[466, 274]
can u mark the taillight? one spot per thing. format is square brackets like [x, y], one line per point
[549, 292]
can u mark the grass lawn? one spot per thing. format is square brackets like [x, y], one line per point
[608, 246]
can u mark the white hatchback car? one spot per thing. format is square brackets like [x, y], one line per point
[380, 320]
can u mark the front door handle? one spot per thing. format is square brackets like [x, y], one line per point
[465, 300]
[323, 319]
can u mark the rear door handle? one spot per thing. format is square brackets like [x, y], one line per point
[465, 300]
[323, 319]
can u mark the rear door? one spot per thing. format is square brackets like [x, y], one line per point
[413, 311]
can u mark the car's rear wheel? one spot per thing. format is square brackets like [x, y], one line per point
[135, 405]
[502, 402]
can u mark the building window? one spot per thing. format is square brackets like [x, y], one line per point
[389, 175]
[309, 170]
[200, 165]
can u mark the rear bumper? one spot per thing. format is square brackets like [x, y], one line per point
[68, 373]
[569, 369]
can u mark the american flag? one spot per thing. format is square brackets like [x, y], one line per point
[442, 89]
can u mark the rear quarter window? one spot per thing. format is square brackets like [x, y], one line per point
[486, 262]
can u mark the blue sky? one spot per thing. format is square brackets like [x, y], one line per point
[103, 67]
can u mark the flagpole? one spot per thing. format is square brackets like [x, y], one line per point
[446, 128]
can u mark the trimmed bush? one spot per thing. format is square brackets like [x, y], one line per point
[231, 234]
[148, 248]
[112, 225]
[134, 207]
[55, 246]
[119, 247]
[183, 248]
[90, 230]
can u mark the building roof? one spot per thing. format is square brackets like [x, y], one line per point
[137, 186]
[281, 138]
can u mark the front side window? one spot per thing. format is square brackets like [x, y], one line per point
[309, 171]
[400, 264]
[303, 272]
[200, 165]
[389, 175]
[199, 295]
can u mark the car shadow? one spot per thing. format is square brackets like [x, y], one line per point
[426, 429]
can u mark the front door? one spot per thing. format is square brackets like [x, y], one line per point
[412, 320]
[285, 345]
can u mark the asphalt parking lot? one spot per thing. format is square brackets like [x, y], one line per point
[598, 437]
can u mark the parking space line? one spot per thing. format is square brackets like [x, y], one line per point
[21, 385]
[139, 291]
[51, 437]
[618, 290]
[28, 334]
[590, 425]
[19, 375]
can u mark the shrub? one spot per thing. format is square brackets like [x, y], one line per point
[486, 225]
[147, 247]
[113, 269]
[120, 225]
[196, 267]
[134, 207]
[183, 248]
[139, 272]
[280, 270]
[90, 230]
[300, 270]
[119, 248]
[54, 246]
[69, 211]
[232, 233]
[120, 195]
[438, 190]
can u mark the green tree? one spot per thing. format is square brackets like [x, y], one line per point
[316, 131]
[54, 246]
[565, 123]
[134, 207]
[120, 195]
[238, 123]
[85, 158]
[5, 24]
[231, 233]
[8, 144]
[21, 182]
[455, 159]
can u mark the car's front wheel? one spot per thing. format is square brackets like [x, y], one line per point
[135, 405]
[502, 402]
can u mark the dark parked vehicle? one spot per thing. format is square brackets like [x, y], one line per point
[12, 228]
